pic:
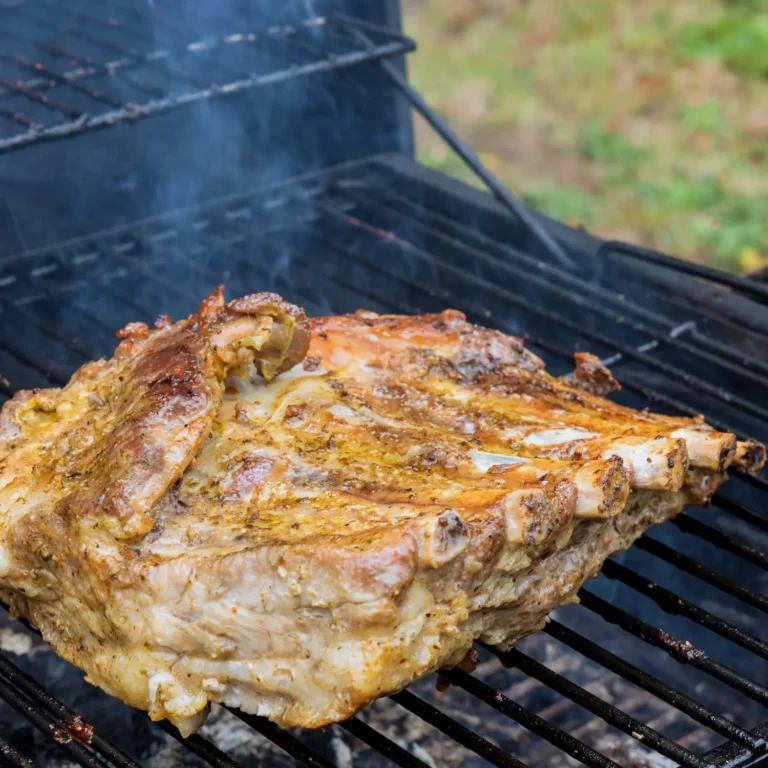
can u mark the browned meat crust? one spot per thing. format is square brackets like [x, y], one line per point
[188, 528]
[592, 376]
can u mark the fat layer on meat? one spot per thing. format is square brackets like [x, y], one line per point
[296, 517]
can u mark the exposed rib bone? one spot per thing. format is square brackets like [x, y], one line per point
[531, 516]
[659, 464]
[656, 463]
[708, 450]
[602, 485]
[750, 455]
[603, 490]
[531, 414]
[443, 538]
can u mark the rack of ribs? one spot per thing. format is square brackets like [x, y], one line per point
[296, 516]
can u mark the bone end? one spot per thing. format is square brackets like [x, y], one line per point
[749, 456]
[590, 375]
[603, 488]
[708, 449]
[443, 539]
[658, 464]
[532, 516]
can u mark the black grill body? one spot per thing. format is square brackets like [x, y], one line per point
[664, 661]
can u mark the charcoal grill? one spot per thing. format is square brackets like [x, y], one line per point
[664, 660]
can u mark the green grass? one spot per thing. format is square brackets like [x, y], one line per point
[738, 38]
[646, 121]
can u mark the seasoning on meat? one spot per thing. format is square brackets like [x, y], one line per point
[230, 511]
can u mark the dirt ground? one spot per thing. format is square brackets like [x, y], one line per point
[644, 120]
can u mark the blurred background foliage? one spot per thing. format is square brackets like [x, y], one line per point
[644, 120]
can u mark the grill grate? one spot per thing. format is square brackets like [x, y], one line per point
[382, 235]
[105, 66]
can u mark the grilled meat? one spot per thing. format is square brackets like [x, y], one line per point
[188, 526]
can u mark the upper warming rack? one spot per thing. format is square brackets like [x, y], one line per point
[64, 75]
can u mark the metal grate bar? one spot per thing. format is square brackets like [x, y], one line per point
[551, 733]
[48, 725]
[757, 481]
[283, 739]
[740, 511]
[730, 754]
[689, 524]
[527, 269]
[703, 572]
[612, 715]
[18, 117]
[694, 382]
[680, 650]
[667, 693]
[40, 98]
[749, 287]
[201, 747]
[68, 725]
[13, 757]
[145, 269]
[382, 744]
[69, 342]
[458, 732]
[55, 376]
[676, 605]
[23, 63]
[485, 248]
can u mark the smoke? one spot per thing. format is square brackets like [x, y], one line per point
[228, 144]
[213, 147]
